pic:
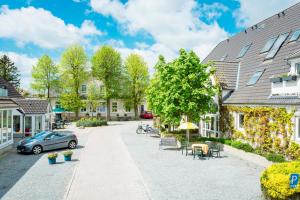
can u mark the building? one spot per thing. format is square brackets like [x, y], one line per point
[260, 67]
[118, 108]
[7, 106]
[32, 116]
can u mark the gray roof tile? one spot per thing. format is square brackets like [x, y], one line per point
[33, 106]
[12, 92]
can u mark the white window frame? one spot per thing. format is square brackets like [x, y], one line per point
[112, 106]
[83, 111]
[83, 91]
[238, 115]
[297, 128]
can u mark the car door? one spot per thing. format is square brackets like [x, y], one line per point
[49, 142]
[61, 140]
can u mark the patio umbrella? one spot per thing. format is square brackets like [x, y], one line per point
[187, 126]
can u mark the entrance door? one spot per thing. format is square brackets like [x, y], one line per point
[17, 125]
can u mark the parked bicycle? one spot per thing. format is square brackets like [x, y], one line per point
[146, 129]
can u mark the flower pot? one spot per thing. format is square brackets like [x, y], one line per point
[290, 78]
[52, 161]
[68, 158]
[276, 80]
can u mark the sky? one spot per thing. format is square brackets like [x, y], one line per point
[32, 28]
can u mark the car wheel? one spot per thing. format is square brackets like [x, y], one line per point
[37, 150]
[72, 145]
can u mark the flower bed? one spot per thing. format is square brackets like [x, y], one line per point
[90, 122]
[275, 181]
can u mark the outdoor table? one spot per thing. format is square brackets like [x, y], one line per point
[204, 147]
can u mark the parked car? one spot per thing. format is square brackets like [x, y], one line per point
[147, 115]
[47, 140]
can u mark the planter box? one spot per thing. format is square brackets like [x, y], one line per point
[52, 161]
[290, 78]
[276, 80]
[68, 158]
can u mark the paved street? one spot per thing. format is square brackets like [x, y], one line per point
[115, 163]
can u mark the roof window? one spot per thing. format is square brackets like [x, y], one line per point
[269, 44]
[255, 77]
[277, 45]
[295, 36]
[244, 50]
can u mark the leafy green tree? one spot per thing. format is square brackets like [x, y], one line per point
[107, 67]
[9, 72]
[74, 74]
[138, 79]
[45, 76]
[182, 88]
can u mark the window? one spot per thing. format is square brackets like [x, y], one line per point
[297, 131]
[4, 126]
[1, 125]
[255, 77]
[3, 91]
[277, 45]
[297, 68]
[28, 124]
[83, 88]
[9, 124]
[240, 121]
[269, 45]
[127, 108]
[102, 107]
[38, 123]
[83, 110]
[243, 51]
[223, 57]
[295, 35]
[114, 107]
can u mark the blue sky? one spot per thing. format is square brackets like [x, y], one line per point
[31, 28]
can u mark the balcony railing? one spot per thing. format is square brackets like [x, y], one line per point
[285, 86]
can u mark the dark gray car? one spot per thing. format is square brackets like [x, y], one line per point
[45, 141]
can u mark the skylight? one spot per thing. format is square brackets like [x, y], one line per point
[244, 50]
[277, 45]
[295, 35]
[255, 77]
[269, 44]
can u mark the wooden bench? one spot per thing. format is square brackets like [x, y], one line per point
[168, 142]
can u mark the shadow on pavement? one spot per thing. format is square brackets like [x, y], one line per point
[12, 167]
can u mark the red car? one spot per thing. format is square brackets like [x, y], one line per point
[147, 115]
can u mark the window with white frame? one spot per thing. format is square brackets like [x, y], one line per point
[212, 123]
[102, 107]
[127, 108]
[297, 65]
[83, 88]
[114, 107]
[83, 110]
[297, 131]
[240, 121]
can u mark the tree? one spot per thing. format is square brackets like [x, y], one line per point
[182, 88]
[74, 74]
[45, 76]
[107, 67]
[9, 72]
[138, 79]
[93, 96]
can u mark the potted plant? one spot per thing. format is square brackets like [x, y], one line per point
[289, 78]
[52, 158]
[68, 155]
[276, 79]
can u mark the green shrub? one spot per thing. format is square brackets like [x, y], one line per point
[180, 137]
[275, 157]
[243, 146]
[293, 152]
[228, 141]
[90, 122]
[275, 180]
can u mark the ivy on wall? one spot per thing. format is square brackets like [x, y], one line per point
[266, 128]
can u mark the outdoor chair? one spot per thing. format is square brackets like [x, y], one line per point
[197, 151]
[215, 149]
[185, 145]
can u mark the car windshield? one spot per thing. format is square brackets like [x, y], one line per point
[40, 135]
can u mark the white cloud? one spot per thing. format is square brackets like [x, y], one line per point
[24, 64]
[254, 11]
[173, 24]
[40, 27]
[212, 11]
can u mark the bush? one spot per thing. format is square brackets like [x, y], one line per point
[275, 180]
[52, 155]
[68, 153]
[275, 157]
[243, 146]
[90, 122]
[293, 152]
[179, 137]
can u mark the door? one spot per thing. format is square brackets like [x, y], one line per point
[61, 140]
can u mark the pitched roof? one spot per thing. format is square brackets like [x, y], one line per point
[253, 60]
[12, 92]
[7, 103]
[226, 73]
[33, 106]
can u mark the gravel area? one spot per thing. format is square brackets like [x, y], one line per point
[170, 175]
[30, 177]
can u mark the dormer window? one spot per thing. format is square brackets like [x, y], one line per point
[3, 91]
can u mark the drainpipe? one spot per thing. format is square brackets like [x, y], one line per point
[238, 77]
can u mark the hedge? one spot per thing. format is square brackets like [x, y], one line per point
[275, 181]
[90, 122]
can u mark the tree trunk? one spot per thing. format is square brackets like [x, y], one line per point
[77, 114]
[108, 109]
[136, 111]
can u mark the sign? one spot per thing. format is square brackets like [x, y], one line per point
[294, 179]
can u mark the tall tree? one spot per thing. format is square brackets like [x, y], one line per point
[94, 94]
[74, 74]
[45, 76]
[138, 79]
[9, 71]
[107, 67]
[182, 88]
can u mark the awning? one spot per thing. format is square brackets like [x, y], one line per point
[58, 110]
